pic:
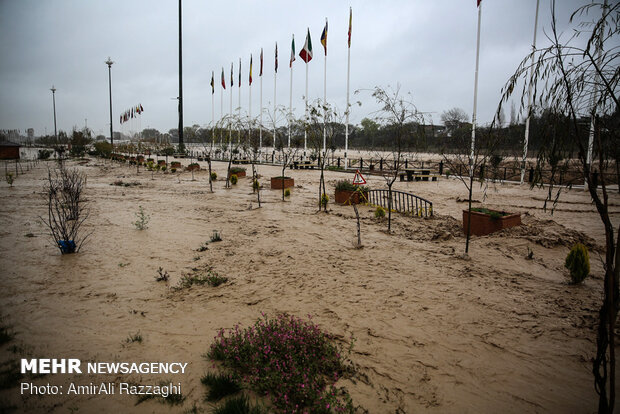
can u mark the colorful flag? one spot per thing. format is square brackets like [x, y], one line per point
[261, 62]
[223, 80]
[239, 72]
[478, 5]
[141, 108]
[276, 57]
[324, 37]
[306, 52]
[232, 83]
[351, 23]
[290, 65]
[250, 69]
[212, 84]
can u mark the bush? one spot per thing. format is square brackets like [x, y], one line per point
[173, 170]
[233, 179]
[45, 154]
[236, 170]
[291, 360]
[9, 178]
[287, 192]
[216, 236]
[142, 219]
[344, 185]
[255, 185]
[324, 200]
[103, 149]
[164, 168]
[578, 263]
[380, 212]
[213, 176]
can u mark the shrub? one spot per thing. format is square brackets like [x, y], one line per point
[291, 360]
[103, 149]
[380, 212]
[578, 263]
[255, 185]
[220, 386]
[344, 185]
[240, 404]
[236, 170]
[216, 236]
[233, 179]
[324, 200]
[10, 179]
[287, 192]
[173, 170]
[45, 154]
[164, 168]
[142, 219]
[162, 276]
[213, 176]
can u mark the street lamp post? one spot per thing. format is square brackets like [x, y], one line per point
[109, 63]
[54, 101]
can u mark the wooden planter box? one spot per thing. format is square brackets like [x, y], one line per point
[350, 197]
[276, 183]
[482, 223]
[140, 158]
[161, 162]
[175, 164]
[193, 167]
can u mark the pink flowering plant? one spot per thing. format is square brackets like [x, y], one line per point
[290, 360]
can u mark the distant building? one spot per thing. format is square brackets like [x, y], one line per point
[30, 132]
[9, 150]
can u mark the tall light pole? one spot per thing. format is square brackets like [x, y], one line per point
[54, 101]
[109, 63]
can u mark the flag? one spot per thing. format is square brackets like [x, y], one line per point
[212, 84]
[232, 83]
[324, 37]
[121, 119]
[306, 52]
[290, 65]
[239, 72]
[351, 23]
[250, 69]
[276, 57]
[261, 62]
[223, 80]
[478, 5]
[142, 109]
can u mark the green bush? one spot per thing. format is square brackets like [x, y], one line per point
[44, 154]
[233, 179]
[255, 185]
[578, 263]
[173, 170]
[344, 185]
[236, 170]
[213, 176]
[324, 200]
[287, 192]
[380, 212]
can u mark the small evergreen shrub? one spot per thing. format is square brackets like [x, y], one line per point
[287, 192]
[324, 200]
[233, 179]
[142, 219]
[578, 263]
[255, 185]
[380, 212]
[236, 170]
[216, 236]
[213, 176]
[173, 170]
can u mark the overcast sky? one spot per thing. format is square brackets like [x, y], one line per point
[428, 47]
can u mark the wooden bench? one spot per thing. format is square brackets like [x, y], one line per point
[241, 161]
[304, 165]
[418, 174]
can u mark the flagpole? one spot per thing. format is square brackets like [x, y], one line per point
[290, 98]
[473, 120]
[260, 126]
[346, 125]
[275, 74]
[212, 109]
[250, 105]
[325, 94]
[231, 98]
[239, 108]
[221, 108]
[306, 117]
[529, 99]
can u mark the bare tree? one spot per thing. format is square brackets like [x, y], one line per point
[403, 120]
[66, 209]
[580, 80]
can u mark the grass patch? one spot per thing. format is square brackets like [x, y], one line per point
[238, 405]
[120, 183]
[162, 275]
[291, 360]
[220, 386]
[203, 247]
[216, 236]
[210, 278]
[137, 337]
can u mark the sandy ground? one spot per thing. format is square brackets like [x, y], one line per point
[433, 332]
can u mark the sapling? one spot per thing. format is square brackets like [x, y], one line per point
[142, 219]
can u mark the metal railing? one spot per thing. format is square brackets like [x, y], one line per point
[402, 202]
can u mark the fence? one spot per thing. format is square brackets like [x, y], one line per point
[402, 202]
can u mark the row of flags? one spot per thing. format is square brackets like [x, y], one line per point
[132, 113]
[305, 54]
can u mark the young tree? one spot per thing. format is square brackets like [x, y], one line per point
[578, 77]
[402, 118]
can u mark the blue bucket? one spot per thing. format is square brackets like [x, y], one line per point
[66, 246]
